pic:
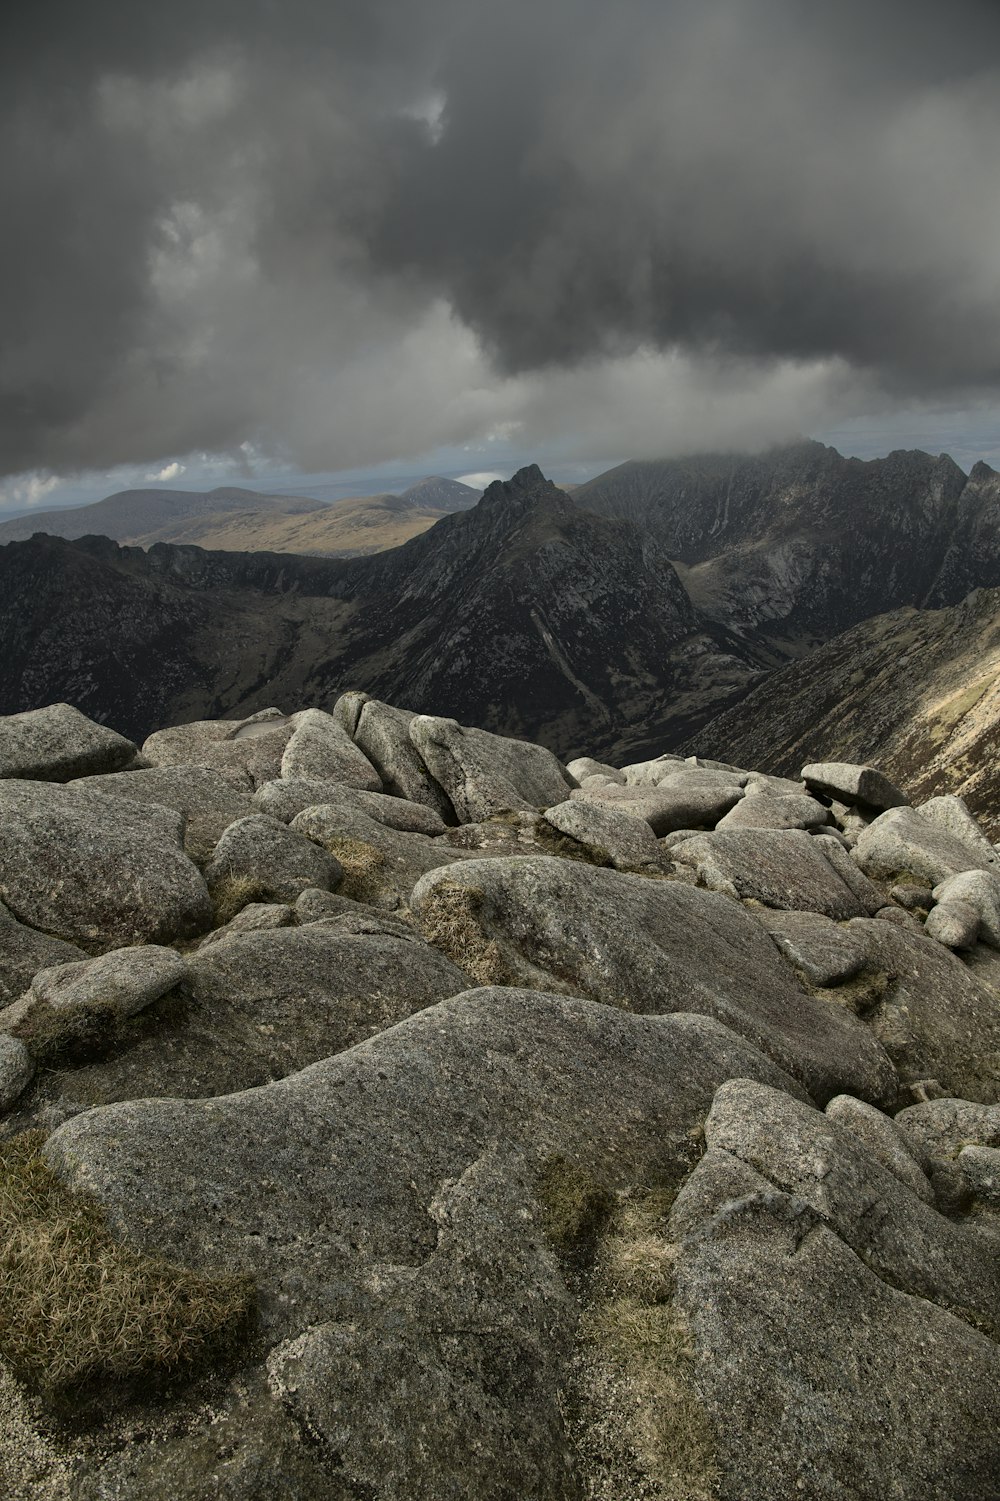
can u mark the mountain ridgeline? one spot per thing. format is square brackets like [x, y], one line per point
[625, 617]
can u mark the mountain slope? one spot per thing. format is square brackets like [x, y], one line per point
[523, 614]
[915, 691]
[799, 543]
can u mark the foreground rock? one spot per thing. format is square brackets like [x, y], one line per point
[649, 947]
[482, 773]
[397, 1238]
[97, 871]
[255, 1007]
[783, 868]
[902, 842]
[58, 743]
[851, 784]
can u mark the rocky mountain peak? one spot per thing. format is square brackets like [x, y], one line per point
[983, 471]
[528, 487]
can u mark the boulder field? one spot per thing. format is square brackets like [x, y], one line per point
[390, 1112]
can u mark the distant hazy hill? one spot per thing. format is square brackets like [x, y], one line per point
[239, 520]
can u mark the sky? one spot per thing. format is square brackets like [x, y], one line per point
[327, 244]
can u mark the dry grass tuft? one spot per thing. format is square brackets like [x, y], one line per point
[644, 1429]
[232, 893]
[449, 920]
[79, 1309]
[362, 864]
[574, 1207]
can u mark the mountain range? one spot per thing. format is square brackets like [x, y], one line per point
[700, 601]
[241, 520]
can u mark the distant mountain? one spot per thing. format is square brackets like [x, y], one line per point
[141, 516]
[915, 691]
[239, 520]
[522, 614]
[437, 494]
[796, 544]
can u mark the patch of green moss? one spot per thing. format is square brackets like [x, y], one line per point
[79, 1310]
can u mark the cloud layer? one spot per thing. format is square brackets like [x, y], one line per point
[347, 232]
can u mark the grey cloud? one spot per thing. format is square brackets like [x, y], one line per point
[231, 221]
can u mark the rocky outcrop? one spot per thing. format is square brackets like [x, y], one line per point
[565, 1157]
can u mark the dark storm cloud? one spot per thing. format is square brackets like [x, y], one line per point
[223, 220]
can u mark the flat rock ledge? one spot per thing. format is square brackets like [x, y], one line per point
[576, 1132]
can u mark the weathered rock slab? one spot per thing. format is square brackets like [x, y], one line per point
[980, 888]
[97, 871]
[953, 922]
[484, 774]
[286, 799]
[784, 868]
[781, 811]
[267, 861]
[826, 953]
[320, 749]
[58, 743]
[625, 840]
[850, 783]
[902, 840]
[649, 947]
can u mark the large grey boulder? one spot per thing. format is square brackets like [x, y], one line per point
[952, 815]
[814, 1158]
[668, 806]
[260, 1005]
[936, 1018]
[366, 1138]
[16, 1069]
[585, 766]
[902, 840]
[95, 870]
[382, 732]
[981, 889]
[818, 1377]
[260, 859]
[783, 868]
[850, 783]
[648, 773]
[23, 952]
[319, 748]
[649, 947]
[483, 773]
[954, 923]
[124, 980]
[287, 798]
[776, 811]
[981, 1166]
[825, 952]
[937, 1130]
[618, 838]
[247, 752]
[882, 1138]
[255, 917]
[207, 800]
[58, 743]
[381, 865]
